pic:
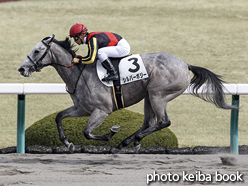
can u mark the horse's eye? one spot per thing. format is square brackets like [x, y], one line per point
[36, 51]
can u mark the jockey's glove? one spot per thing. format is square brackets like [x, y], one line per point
[76, 60]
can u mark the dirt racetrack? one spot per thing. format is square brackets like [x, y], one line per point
[122, 169]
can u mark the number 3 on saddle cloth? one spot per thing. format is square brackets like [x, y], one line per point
[130, 68]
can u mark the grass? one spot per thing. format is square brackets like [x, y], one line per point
[206, 33]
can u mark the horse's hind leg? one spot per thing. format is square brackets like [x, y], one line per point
[163, 121]
[149, 120]
[96, 119]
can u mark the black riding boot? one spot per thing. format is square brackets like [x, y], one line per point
[112, 74]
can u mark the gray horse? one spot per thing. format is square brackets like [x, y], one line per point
[169, 77]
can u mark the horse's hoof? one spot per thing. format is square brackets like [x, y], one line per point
[114, 151]
[115, 128]
[71, 147]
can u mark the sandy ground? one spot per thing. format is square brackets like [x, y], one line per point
[121, 169]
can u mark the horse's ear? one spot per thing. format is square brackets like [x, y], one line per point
[48, 40]
[52, 37]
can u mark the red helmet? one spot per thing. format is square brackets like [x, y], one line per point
[77, 29]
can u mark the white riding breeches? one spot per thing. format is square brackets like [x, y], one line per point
[120, 50]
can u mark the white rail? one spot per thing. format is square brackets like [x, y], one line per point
[32, 88]
[59, 88]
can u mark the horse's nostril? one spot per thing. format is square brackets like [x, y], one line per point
[21, 69]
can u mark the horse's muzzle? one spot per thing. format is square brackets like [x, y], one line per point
[23, 72]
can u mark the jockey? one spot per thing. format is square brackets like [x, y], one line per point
[101, 45]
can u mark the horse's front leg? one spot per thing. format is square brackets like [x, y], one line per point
[70, 112]
[96, 119]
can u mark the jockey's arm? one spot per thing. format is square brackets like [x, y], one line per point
[92, 52]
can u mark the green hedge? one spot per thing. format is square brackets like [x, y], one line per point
[44, 132]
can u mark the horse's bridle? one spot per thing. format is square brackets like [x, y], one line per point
[37, 65]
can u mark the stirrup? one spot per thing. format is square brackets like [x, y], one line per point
[110, 78]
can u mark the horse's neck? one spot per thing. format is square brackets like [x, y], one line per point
[69, 75]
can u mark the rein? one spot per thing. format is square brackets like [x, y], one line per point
[61, 65]
[37, 66]
[75, 88]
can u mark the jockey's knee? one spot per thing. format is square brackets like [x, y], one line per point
[102, 56]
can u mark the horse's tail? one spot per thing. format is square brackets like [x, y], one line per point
[212, 91]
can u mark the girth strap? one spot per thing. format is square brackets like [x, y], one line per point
[117, 88]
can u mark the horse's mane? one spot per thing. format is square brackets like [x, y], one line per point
[67, 45]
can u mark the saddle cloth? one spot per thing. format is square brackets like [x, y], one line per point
[131, 68]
